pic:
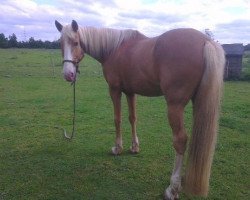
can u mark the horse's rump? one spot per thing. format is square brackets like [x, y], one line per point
[178, 58]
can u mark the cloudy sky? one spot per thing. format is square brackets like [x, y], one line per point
[228, 20]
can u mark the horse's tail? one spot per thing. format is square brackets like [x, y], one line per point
[206, 106]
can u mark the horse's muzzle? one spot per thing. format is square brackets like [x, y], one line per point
[71, 77]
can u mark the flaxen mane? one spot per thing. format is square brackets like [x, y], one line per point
[101, 42]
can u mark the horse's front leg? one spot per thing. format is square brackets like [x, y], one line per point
[175, 116]
[116, 99]
[132, 119]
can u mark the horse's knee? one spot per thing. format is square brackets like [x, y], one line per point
[117, 121]
[132, 119]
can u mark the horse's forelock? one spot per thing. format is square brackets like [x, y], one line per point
[68, 32]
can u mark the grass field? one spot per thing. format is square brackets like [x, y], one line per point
[37, 163]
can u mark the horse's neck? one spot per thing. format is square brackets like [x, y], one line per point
[100, 43]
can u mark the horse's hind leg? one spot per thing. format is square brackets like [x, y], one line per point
[116, 99]
[175, 116]
[132, 119]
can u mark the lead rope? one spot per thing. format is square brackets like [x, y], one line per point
[74, 103]
[66, 136]
[74, 115]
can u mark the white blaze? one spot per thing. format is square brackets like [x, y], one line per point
[68, 67]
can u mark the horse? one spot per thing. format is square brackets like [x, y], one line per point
[182, 65]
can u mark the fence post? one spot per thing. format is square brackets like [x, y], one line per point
[52, 63]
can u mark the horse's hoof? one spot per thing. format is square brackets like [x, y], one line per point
[170, 196]
[134, 149]
[117, 150]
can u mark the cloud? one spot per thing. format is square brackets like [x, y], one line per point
[228, 20]
[27, 18]
[235, 31]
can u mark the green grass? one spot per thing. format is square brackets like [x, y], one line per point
[245, 75]
[37, 163]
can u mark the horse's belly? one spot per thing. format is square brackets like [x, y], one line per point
[149, 93]
[142, 88]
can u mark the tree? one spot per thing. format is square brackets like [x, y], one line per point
[55, 44]
[247, 47]
[3, 41]
[12, 40]
[32, 42]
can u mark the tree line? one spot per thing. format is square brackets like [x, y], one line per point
[12, 42]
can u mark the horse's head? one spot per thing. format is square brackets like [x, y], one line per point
[71, 47]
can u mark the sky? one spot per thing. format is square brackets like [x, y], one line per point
[228, 20]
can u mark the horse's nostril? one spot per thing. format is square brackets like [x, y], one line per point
[70, 76]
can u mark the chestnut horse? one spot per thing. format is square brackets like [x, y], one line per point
[181, 64]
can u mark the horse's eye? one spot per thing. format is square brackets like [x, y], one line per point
[75, 43]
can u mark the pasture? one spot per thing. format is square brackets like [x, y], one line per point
[37, 163]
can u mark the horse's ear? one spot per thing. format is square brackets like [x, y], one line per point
[74, 25]
[58, 26]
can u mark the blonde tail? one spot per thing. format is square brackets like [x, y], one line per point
[205, 115]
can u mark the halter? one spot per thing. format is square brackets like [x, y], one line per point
[75, 63]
